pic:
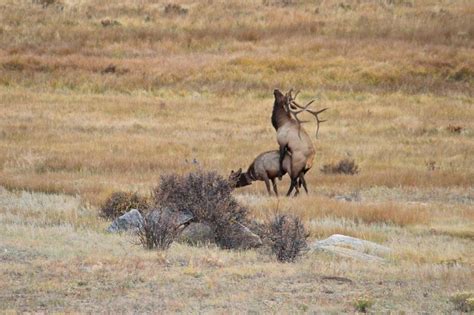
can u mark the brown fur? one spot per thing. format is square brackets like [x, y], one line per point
[265, 167]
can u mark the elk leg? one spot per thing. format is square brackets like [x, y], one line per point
[275, 189]
[303, 181]
[294, 185]
[267, 183]
[283, 150]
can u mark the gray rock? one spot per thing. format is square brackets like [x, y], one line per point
[132, 220]
[352, 247]
[245, 238]
[180, 217]
[349, 198]
[197, 233]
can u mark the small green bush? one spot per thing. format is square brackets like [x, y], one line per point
[363, 304]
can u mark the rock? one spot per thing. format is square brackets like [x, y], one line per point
[132, 220]
[349, 198]
[244, 238]
[180, 217]
[352, 247]
[343, 198]
[197, 233]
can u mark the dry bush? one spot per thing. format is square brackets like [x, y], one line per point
[175, 9]
[208, 196]
[121, 202]
[159, 230]
[288, 236]
[454, 129]
[345, 166]
[463, 301]
[46, 3]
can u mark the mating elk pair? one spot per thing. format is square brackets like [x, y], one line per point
[296, 153]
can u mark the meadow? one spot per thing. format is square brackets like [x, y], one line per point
[98, 97]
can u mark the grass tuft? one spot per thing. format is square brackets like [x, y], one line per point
[345, 166]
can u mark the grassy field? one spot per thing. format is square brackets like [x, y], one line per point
[98, 97]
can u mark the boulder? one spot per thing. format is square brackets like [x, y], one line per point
[352, 247]
[197, 233]
[180, 217]
[244, 238]
[132, 220]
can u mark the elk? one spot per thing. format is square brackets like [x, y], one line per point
[292, 137]
[266, 167]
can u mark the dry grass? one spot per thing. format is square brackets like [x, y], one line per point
[87, 109]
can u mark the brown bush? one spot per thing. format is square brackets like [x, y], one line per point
[345, 166]
[121, 202]
[208, 197]
[159, 230]
[454, 129]
[287, 237]
[175, 9]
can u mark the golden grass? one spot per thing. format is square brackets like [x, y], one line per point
[397, 77]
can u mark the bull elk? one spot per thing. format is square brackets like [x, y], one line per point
[266, 167]
[292, 137]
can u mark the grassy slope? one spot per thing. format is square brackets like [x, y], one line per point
[394, 76]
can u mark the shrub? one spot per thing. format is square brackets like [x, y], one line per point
[463, 301]
[363, 304]
[345, 166]
[288, 237]
[175, 9]
[121, 202]
[454, 129]
[159, 230]
[208, 197]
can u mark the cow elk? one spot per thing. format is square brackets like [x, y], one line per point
[266, 167]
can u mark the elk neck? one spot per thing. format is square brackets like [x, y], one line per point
[279, 115]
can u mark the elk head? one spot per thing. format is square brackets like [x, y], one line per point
[239, 179]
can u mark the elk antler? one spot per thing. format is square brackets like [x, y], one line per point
[292, 103]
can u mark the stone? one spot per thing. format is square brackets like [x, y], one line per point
[180, 217]
[351, 247]
[132, 220]
[245, 238]
[197, 233]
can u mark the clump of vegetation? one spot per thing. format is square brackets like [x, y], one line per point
[159, 230]
[287, 237]
[431, 165]
[46, 3]
[208, 197]
[363, 304]
[345, 166]
[120, 203]
[454, 129]
[175, 9]
[109, 22]
[463, 301]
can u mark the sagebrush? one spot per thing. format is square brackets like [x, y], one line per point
[159, 230]
[288, 237]
[208, 197]
[345, 166]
